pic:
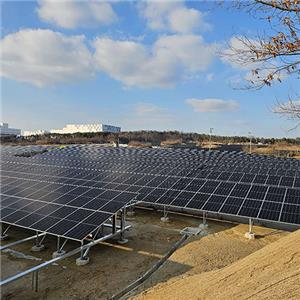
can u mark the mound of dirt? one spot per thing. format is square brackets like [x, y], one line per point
[272, 272]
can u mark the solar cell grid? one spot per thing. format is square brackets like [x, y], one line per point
[231, 205]
[26, 213]
[292, 196]
[270, 211]
[250, 208]
[232, 175]
[214, 203]
[290, 214]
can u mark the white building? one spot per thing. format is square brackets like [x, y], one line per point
[5, 130]
[85, 128]
[34, 132]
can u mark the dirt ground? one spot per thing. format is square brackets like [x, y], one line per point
[271, 273]
[112, 266]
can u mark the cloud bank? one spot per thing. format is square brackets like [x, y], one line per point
[173, 16]
[169, 60]
[74, 14]
[44, 57]
[212, 105]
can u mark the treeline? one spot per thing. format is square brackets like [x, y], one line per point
[153, 137]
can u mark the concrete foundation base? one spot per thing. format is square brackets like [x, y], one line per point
[3, 237]
[37, 248]
[122, 241]
[82, 261]
[203, 226]
[190, 231]
[250, 235]
[130, 213]
[164, 219]
[58, 253]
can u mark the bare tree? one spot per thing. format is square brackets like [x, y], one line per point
[270, 57]
[290, 109]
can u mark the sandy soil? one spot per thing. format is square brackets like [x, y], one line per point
[113, 267]
[270, 273]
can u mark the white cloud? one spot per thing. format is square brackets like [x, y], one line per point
[73, 14]
[173, 16]
[143, 109]
[149, 116]
[212, 105]
[43, 57]
[237, 54]
[168, 60]
[241, 58]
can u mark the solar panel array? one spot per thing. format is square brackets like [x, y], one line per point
[227, 183]
[54, 200]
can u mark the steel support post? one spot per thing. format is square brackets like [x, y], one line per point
[165, 217]
[38, 243]
[3, 233]
[130, 211]
[114, 223]
[82, 251]
[35, 281]
[204, 224]
[56, 259]
[123, 221]
[250, 235]
[20, 242]
[250, 225]
[59, 249]
[83, 259]
[123, 225]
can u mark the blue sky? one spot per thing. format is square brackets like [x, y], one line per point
[138, 65]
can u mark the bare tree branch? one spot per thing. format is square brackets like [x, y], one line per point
[282, 5]
[272, 58]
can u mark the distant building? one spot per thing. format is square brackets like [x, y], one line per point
[85, 128]
[35, 132]
[6, 131]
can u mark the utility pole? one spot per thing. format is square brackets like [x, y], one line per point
[210, 133]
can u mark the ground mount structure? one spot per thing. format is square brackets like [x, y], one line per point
[81, 192]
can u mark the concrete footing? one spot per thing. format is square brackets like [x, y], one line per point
[250, 235]
[122, 241]
[81, 261]
[4, 237]
[164, 219]
[190, 231]
[58, 253]
[203, 226]
[37, 248]
[130, 213]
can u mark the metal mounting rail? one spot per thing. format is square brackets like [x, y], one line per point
[21, 241]
[68, 254]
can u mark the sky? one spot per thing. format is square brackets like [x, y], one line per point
[139, 65]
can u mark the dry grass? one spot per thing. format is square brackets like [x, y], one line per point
[277, 150]
[171, 142]
[139, 144]
[207, 145]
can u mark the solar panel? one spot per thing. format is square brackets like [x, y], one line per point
[35, 197]
[103, 179]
